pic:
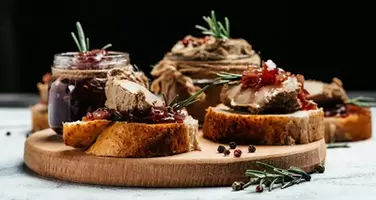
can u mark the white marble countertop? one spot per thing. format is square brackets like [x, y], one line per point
[350, 174]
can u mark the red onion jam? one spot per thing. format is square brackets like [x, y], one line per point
[155, 115]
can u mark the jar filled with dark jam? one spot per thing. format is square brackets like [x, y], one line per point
[78, 82]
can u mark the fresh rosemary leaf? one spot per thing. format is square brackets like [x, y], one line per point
[165, 99]
[213, 18]
[261, 184]
[247, 184]
[76, 41]
[300, 172]
[208, 20]
[81, 36]
[337, 145]
[227, 24]
[174, 100]
[87, 43]
[288, 184]
[221, 27]
[194, 95]
[107, 46]
[362, 98]
[271, 186]
[216, 28]
[362, 101]
[201, 28]
[223, 36]
[208, 33]
[221, 82]
[191, 102]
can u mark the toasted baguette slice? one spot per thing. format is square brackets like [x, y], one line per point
[82, 134]
[223, 125]
[39, 117]
[355, 127]
[123, 139]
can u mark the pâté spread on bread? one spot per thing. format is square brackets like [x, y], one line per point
[346, 119]
[134, 122]
[193, 63]
[264, 105]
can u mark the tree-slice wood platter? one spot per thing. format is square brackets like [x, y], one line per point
[46, 154]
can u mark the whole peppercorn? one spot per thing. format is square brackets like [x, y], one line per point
[251, 149]
[8, 133]
[221, 149]
[237, 152]
[226, 152]
[237, 185]
[320, 169]
[259, 189]
[232, 145]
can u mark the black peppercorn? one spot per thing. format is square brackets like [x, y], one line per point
[320, 169]
[8, 133]
[221, 149]
[237, 185]
[251, 149]
[232, 145]
[237, 152]
[226, 152]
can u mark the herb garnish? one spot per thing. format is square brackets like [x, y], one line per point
[272, 176]
[225, 77]
[362, 101]
[336, 145]
[175, 105]
[216, 28]
[83, 43]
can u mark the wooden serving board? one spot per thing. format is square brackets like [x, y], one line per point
[46, 154]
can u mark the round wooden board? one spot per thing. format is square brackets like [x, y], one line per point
[46, 154]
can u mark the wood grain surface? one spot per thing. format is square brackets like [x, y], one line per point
[46, 154]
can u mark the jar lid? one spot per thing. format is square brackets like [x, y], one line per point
[96, 60]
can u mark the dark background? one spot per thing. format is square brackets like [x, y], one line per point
[319, 40]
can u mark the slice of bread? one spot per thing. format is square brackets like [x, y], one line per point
[39, 117]
[123, 139]
[82, 134]
[355, 127]
[224, 125]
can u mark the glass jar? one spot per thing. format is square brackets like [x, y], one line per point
[78, 83]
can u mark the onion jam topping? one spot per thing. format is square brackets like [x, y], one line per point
[154, 115]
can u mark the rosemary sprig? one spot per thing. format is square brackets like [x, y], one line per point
[175, 105]
[335, 145]
[272, 176]
[216, 28]
[362, 101]
[83, 43]
[225, 77]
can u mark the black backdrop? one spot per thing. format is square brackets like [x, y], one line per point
[319, 40]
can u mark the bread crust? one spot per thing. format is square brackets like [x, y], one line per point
[302, 127]
[83, 134]
[123, 139]
[39, 117]
[357, 126]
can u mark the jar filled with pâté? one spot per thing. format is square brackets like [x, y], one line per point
[78, 81]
